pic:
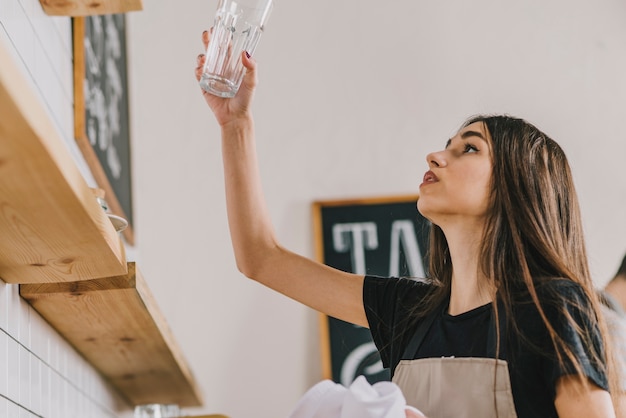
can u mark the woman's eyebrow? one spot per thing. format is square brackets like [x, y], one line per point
[467, 134]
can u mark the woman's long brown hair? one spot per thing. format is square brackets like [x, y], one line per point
[533, 234]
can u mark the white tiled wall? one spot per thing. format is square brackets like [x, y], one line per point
[41, 375]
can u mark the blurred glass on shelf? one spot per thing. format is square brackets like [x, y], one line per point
[157, 411]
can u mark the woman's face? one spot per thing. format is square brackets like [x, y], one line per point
[458, 183]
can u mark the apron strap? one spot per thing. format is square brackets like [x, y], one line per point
[420, 333]
[491, 332]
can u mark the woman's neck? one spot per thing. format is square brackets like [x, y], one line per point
[470, 288]
[466, 295]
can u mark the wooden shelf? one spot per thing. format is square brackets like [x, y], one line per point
[115, 324]
[89, 7]
[53, 229]
[59, 245]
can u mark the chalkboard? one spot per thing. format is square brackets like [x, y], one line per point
[101, 108]
[379, 236]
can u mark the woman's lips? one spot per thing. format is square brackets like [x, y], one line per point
[429, 177]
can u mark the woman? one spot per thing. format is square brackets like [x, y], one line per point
[507, 323]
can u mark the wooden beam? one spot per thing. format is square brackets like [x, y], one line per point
[116, 325]
[53, 229]
[89, 7]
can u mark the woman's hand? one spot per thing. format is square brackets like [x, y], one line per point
[230, 110]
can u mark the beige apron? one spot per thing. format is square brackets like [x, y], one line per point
[455, 387]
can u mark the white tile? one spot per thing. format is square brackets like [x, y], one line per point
[27, 6]
[35, 384]
[75, 401]
[38, 11]
[54, 342]
[63, 27]
[64, 398]
[4, 359]
[46, 80]
[92, 385]
[7, 9]
[4, 314]
[24, 377]
[63, 360]
[66, 111]
[13, 368]
[72, 368]
[58, 54]
[13, 312]
[45, 390]
[58, 28]
[24, 309]
[13, 410]
[25, 414]
[20, 32]
[39, 330]
[56, 391]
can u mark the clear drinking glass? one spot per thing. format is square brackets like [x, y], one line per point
[237, 27]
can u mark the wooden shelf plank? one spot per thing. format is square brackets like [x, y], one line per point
[115, 324]
[89, 7]
[53, 229]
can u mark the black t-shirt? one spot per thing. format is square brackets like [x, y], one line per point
[463, 335]
[533, 365]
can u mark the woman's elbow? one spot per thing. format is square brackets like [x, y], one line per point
[253, 262]
[245, 267]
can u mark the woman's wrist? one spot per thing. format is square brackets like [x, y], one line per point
[238, 125]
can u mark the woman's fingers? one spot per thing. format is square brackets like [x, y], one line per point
[199, 64]
[206, 37]
[248, 61]
[250, 78]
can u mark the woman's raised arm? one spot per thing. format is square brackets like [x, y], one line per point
[257, 251]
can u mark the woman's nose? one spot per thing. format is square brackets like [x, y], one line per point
[435, 159]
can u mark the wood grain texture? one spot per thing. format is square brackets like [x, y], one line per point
[53, 229]
[116, 325]
[89, 7]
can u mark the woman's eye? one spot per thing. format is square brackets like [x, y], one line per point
[470, 148]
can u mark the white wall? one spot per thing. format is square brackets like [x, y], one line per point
[352, 96]
[41, 375]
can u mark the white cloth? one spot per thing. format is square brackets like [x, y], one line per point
[328, 399]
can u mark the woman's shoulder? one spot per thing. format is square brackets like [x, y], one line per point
[399, 283]
[396, 290]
